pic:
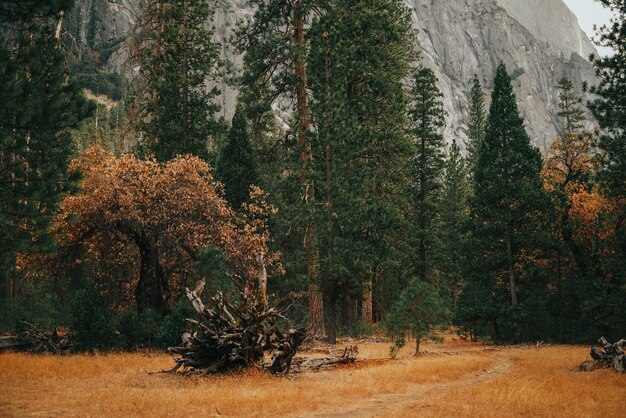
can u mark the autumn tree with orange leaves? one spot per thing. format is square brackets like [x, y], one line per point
[585, 218]
[158, 218]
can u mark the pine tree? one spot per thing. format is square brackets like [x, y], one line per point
[476, 122]
[610, 111]
[567, 170]
[360, 54]
[35, 141]
[236, 168]
[453, 212]
[507, 209]
[427, 120]
[275, 71]
[177, 56]
[417, 311]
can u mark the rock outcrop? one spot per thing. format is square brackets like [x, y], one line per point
[540, 41]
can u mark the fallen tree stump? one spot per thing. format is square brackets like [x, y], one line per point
[229, 336]
[31, 339]
[304, 364]
[607, 356]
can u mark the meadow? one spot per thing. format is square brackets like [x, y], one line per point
[450, 379]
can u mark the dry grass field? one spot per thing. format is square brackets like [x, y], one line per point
[451, 380]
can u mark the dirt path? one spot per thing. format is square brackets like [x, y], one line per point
[395, 401]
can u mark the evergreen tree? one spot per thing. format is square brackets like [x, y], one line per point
[427, 120]
[275, 72]
[360, 54]
[610, 111]
[177, 56]
[453, 211]
[507, 211]
[476, 122]
[417, 311]
[40, 104]
[236, 168]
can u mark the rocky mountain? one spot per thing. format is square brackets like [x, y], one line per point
[539, 40]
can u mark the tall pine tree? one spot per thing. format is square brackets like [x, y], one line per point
[507, 210]
[610, 111]
[427, 120]
[40, 104]
[236, 168]
[477, 119]
[177, 56]
[453, 213]
[275, 49]
[360, 55]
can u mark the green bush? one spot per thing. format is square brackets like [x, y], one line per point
[173, 325]
[150, 324]
[130, 330]
[91, 320]
[38, 304]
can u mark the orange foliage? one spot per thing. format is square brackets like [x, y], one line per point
[594, 213]
[129, 206]
[569, 157]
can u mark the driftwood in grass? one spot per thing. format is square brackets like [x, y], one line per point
[228, 336]
[608, 355]
[304, 364]
[31, 339]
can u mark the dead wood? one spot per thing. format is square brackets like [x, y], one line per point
[226, 336]
[29, 338]
[605, 356]
[348, 356]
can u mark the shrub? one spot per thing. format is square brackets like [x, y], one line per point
[173, 325]
[130, 330]
[91, 320]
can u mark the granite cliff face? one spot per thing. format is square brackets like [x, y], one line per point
[539, 41]
[552, 22]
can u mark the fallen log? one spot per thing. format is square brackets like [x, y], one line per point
[305, 364]
[29, 338]
[608, 355]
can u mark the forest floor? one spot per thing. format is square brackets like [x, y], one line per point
[450, 379]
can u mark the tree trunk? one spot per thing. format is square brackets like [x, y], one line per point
[9, 287]
[316, 305]
[316, 311]
[350, 310]
[422, 214]
[418, 331]
[149, 290]
[331, 318]
[512, 284]
[262, 279]
[57, 32]
[367, 312]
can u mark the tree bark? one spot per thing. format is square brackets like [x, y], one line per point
[149, 290]
[331, 318]
[350, 312]
[316, 305]
[262, 279]
[512, 284]
[316, 310]
[367, 311]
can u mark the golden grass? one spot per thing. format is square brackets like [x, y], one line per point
[116, 385]
[538, 384]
